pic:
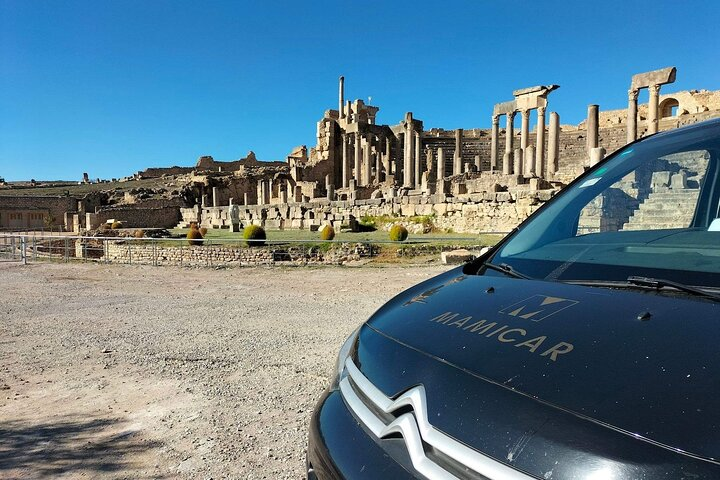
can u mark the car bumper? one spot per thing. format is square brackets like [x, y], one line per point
[340, 448]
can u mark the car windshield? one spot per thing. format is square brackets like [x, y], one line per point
[650, 210]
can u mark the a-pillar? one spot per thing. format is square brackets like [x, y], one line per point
[494, 142]
[345, 162]
[356, 172]
[418, 164]
[553, 144]
[408, 176]
[592, 127]
[509, 118]
[441, 163]
[632, 115]
[341, 97]
[524, 129]
[540, 142]
[457, 158]
[654, 91]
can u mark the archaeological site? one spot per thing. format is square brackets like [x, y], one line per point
[464, 180]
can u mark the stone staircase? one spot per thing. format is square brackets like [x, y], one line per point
[664, 209]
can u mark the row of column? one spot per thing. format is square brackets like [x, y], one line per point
[511, 155]
[365, 155]
[653, 106]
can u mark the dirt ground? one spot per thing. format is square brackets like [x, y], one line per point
[111, 371]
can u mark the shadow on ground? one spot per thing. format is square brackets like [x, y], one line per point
[69, 445]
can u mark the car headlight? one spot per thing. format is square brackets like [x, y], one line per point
[342, 356]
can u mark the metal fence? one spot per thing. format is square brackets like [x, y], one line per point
[213, 252]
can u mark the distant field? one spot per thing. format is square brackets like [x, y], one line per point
[74, 189]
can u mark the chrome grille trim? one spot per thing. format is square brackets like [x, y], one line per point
[416, 429]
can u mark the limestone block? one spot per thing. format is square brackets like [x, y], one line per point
[679, 180]
[407, 210]
[440, 209]
[660, 180]
[457, 256]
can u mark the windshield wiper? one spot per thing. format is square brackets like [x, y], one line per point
[506, 269]
[660, 283]
[646, 282]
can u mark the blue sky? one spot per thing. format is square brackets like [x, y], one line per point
[110, 88]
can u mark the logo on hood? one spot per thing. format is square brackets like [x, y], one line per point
[538, 307]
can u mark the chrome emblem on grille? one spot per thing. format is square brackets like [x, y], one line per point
[415, 429]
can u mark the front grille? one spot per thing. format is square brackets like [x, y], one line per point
[434, 454]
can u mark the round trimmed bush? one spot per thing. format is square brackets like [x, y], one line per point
[203, 231]
[139, 233]
[194, 237]
[398, 233]
[327, 233]
[116, 224]
[254, 235]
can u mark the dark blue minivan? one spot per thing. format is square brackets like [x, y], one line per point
[586, 345]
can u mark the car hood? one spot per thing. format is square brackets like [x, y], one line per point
[641, 363]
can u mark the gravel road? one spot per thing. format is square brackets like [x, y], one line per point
[112, 371]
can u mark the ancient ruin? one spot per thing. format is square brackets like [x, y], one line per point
[467, 180]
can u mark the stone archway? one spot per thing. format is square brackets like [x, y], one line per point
[669, 108]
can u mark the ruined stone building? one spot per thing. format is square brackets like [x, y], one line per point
[468, 180]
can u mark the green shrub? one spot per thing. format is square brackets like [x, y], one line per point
[327, 233]
[254, 235]
[398, 233]
[116, 224]
[139, 233]
[194, 237]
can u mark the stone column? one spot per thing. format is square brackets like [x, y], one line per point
[517, 161]
[494, 142]
[540, 142]
[524, 129]
[441, 163]
[245, 198]
[356, 153]
[592, 127]
[341, 97]
[654, 91]
[418, 163]
[632, 116]
[509, 117]
[507, 163]
[408, 176]
[388, 159]
[553, 144]
[457, 158]
[216, 200]
[367, 166]
[378, 166]
[596, 155]
[345, 161]
[347, 111]
[529, 170]
[204, 201]
[478, 164]
[263, 192]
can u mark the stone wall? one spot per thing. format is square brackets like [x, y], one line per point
[22, 212]
[133, 216]
[214, 255]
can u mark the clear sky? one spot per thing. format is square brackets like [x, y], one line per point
[112, 87]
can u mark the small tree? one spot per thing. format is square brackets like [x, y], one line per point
[398, 233]
[327, 233]
[254, 235]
